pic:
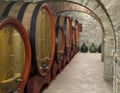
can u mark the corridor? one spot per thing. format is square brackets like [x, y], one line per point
[84, 74]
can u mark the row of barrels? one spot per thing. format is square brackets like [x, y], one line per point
[37, 44]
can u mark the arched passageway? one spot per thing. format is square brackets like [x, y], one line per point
[96, 9]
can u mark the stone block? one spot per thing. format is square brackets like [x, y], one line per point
[108, 71]
[108, 68]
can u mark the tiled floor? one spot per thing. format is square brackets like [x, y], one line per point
[83, 75]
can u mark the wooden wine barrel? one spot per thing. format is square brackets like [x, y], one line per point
[60, 40]
[66, 24]
[38, 22]
[73, 22]
[74, 37]
[60, 43]
[74, 32]
[15, 56]
[78, 27]
[3, 5]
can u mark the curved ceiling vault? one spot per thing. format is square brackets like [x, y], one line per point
[75, 7]
[92, 7]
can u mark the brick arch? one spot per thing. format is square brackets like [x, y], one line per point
[72, 6]
[105, 22]
[56, 8]
[78, 10]
[75, 7]
[91, 14]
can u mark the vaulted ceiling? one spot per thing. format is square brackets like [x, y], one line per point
[103, 8]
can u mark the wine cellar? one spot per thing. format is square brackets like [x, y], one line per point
[59, 46]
